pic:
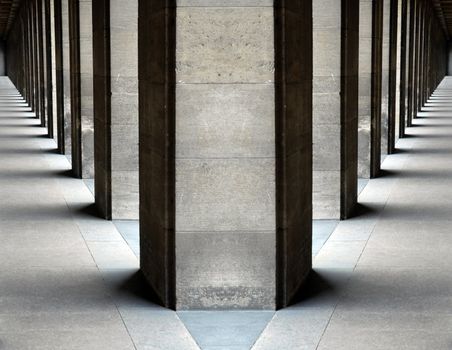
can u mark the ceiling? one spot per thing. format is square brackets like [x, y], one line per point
[444, 10]
[8, 11]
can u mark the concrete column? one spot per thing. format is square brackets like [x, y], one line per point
[48, 54]
[30, 54]
[41, 62]
[377, 87]
[59, 75]
[421, 56]
[294, 73]
[404, 24]
[80, 14]
[365, 88]
[370, 75]
[416, 59]
[36, 66]
[335, 111]
[116, 108]
[385, 77]
[66, 72]
[394, 75]
[2, 58]
[225, 161]
[411, 57]
[225, 220]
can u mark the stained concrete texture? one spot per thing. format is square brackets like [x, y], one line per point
[68, 280]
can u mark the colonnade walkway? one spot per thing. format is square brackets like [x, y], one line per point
[68, 280]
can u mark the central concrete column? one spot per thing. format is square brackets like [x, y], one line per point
[335, 112]
[225, 152]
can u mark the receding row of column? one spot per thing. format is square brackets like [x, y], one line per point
[226, 128]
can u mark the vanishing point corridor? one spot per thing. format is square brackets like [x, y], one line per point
[382, 278]
[226, 174]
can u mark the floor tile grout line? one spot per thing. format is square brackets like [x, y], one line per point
[265, 328]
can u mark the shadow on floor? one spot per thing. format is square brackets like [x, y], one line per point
[315, 285]
[135, 286]
[361, 210]
[89, 210]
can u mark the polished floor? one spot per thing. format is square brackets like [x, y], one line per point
[69, 280]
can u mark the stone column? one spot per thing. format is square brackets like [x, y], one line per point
[377, 87]
[48, 42]
[365, 88]
[55, 123]
[335, 110]
[370, 75]
[225, 161]
[36, 65]
[421, 56]
[394, 75]
[80, 14]
[66, 75]
[411, 54]
[416, 59]
[59, 76]
[225, 215]
[42, 63]
[385, 78]
[404, 24]
[116, 108]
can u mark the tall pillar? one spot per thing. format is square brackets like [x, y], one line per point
[36, 65]
[66, 76]
[416, 60]
[59, 75]
[80, 14]
[394, 75]
[411, 57]
[41, 62]
[421, 57]
[365, 88]
[370, 75]
[116, 108]
[47, 28]
[225, 215]
[404, 24]
[335, 107]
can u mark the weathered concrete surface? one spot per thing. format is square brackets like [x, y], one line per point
[385, 78]
[86, 88]
[124, 108]
[58, 78]
[335, 107]
[116, 108]
[81, 64]
[157, 69]
[365, 88]
[370, 81]
[293, 77]
[66, 77]
[210, 217]
[225, 158]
